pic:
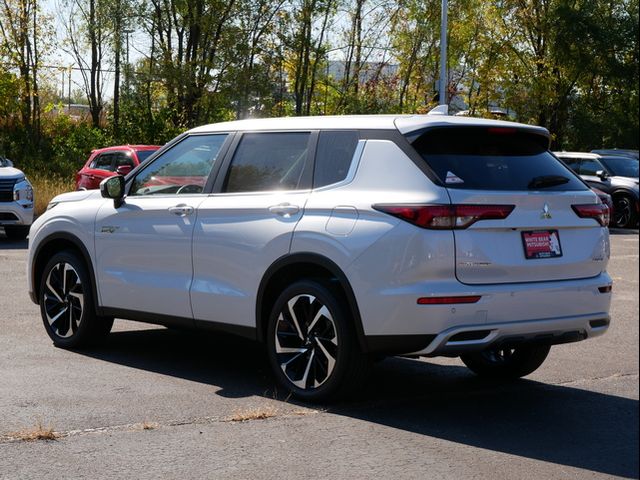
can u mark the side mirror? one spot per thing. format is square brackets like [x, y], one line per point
[123, 170]
[113, 187]
[602, 174]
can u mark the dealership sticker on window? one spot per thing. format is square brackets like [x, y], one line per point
[541, 244]
[453, 178]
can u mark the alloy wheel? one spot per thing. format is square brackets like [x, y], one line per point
[306, 342]
[622, 212]
[63, 299]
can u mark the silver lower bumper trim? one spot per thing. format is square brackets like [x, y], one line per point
[467, 338]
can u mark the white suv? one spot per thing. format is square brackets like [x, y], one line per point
[16, 201]
[334, 240]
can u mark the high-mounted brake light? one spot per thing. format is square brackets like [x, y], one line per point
[501, 130]
[597, 211]
[446, 217]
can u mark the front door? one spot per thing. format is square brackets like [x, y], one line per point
[143, 248]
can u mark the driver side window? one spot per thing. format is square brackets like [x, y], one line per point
[183, 169]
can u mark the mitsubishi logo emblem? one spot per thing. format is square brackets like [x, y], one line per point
[545, 215]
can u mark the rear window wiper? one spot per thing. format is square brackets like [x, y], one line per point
[545, 181]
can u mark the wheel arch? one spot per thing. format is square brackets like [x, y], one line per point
[297, 266]
[49, 246]
[624, 191]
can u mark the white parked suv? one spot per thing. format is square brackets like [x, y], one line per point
[334, 240]
[16, 201]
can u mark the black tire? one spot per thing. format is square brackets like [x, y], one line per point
[328, 352]
[624, 212]
[506, 363]
[66, 303]
[16, 232]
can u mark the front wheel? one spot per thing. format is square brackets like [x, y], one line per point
[66, 303]
[311, 343]
[506, 363]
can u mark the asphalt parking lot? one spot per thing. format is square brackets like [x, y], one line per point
[158, 403]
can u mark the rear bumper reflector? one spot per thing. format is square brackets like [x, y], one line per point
[448, 300]
[605, 289]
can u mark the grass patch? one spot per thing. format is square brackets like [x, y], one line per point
[253, 413]
[45, 187]
[38, 432]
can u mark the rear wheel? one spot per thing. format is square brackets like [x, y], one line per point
[507, 363]
[16, 232]
[624, 212]
[67, 304]
[311, 343]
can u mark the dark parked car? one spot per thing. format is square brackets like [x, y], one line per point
[106, 162]
[618, 152]
[615, 175]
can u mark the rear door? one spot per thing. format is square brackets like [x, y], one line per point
[248, 224]
[543, 238]
[101, 166]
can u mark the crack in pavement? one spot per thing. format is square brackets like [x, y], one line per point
[583, 380]
[16, 437]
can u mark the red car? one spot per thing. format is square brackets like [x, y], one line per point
[106, 162]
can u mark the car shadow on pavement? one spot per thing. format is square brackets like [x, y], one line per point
[10, 244]
[623, 231]
[560, 424]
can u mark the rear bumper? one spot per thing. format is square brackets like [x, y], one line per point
[467, 338]
[549, 312]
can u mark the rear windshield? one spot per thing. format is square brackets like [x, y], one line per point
[494, 159]
[144, 154]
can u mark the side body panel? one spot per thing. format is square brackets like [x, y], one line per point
[377, 252]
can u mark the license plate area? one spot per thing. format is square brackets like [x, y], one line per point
[541, 244]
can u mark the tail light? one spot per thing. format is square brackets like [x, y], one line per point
[446, 217]
[597, 211]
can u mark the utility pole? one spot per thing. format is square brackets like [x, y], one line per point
[443, 55]
[127, 72]
[69, 99]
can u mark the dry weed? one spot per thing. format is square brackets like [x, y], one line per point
[253, 413]
[149, 425]
[46, 187]
[38, 432]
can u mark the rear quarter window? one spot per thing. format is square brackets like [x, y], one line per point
[492, 159]
[334, 156]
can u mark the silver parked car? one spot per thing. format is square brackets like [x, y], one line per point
[334, 240]
[16, 201]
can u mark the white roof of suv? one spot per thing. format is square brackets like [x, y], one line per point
[577, 155]
[404, 123]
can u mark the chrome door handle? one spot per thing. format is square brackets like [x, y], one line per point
[284, 209]
[181, 210]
